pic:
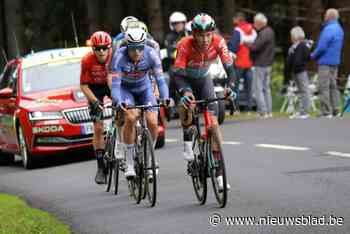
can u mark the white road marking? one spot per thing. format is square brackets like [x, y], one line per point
[231, 143]
[169, 140]
[338, 154]
[282, 147]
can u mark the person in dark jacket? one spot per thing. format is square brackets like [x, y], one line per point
[263, 50]
[177, 23]
[242, 34]
[298, 57]
[328, 56]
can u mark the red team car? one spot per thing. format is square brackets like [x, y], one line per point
[42, 110]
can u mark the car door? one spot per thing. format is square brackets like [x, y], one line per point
[8, 107]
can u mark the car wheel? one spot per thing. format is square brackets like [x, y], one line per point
[221, 107]
[6, 158]
[160, 142]
[27, 158]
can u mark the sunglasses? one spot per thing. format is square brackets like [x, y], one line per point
[99, 48]
[136, 47]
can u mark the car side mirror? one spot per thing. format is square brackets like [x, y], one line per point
[6, 93]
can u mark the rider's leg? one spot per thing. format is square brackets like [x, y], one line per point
[186, 122]
[98, 139]
[128, 131]
[129, 140]
[152, 123]
[185, 116]
[98, 143]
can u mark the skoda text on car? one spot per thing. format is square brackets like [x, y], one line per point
[42, 110]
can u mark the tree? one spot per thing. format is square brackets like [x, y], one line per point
[114, 15]
[93, 15]
[229, 9]
[313, 14]
[293, 12]
[155, 19]
[14, 27]
[343, 6]
[2, 35]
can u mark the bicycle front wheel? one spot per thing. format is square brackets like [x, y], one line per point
[110, 158]
[198, 168]
[217, 168]
[150, 168]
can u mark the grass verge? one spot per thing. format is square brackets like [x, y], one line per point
[17, 217]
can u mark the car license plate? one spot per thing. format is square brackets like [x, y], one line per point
[88, 128]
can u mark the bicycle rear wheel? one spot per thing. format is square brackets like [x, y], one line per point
[117, 149]
[198, 168]
[110, 169]
[116, 176]
[110, 158]
[217, 168]
[150, 168]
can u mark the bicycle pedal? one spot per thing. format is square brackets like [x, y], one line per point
[191, 169]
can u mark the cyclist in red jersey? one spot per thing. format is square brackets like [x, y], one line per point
[194, 56]
[93, 83]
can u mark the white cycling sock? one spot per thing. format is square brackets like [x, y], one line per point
[129, 154]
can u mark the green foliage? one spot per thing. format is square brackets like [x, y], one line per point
[17, 217]
[277, 83]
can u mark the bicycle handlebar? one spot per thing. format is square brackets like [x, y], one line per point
[210, 100]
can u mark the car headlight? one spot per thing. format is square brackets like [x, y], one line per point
[39, 115]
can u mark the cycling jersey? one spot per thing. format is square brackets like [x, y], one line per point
[93, 72]
[196, 62]
[134, 77]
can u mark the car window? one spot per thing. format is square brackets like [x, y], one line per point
[9, 77]
[46, 77]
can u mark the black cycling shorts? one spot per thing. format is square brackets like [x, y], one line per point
[202, 88]
[100, 91]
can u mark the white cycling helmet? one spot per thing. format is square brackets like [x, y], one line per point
[137, 24]
[176, 17]
[125, 21]
[188, 26]
[135, 36]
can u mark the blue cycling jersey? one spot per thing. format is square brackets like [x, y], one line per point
[136, 76]
[119, 37]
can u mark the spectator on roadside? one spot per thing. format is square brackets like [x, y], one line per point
[177, 24]
[243, 33]
[263, 50]
[297, 59]
[328, 55]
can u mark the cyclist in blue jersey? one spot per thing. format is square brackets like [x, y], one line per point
[131, 85]
[123, 27]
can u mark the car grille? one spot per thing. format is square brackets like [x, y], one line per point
[82, 115]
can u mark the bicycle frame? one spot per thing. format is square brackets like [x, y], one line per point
[208, 124]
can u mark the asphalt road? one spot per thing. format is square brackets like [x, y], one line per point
[276, 168]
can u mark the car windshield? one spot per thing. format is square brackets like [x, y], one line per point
[50, 76]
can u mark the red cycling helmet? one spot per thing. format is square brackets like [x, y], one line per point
[101, 38]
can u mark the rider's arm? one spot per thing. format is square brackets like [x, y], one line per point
[181, 61]
[85, 80]
[158, 74]
[231, 74]
[179, 69]
[226, 60]
[116, 75]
